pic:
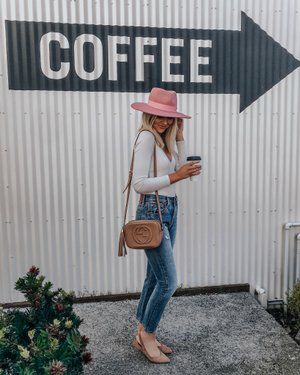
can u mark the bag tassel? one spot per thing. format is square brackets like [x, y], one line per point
[122, 246]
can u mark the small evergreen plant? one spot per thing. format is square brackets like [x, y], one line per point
[44, 338]
[293, 309]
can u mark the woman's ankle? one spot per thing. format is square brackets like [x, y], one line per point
[140, 327]
[149, 334]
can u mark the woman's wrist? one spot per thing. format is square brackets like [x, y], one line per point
[179, 136]
[174, 177]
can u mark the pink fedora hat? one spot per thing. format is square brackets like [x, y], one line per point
[160, 102]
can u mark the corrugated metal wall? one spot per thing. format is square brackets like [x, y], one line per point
[64, 160]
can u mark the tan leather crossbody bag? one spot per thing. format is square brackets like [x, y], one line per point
[140, 234]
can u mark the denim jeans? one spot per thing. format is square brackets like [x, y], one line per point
[161, 277]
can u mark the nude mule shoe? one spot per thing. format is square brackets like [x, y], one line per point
[164, 348]
[161, 358]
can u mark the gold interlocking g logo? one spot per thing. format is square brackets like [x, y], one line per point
[142, 234]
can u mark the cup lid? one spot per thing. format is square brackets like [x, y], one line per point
[193, 158]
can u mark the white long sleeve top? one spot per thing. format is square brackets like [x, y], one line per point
[143, 180]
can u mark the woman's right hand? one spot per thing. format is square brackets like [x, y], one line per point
[192, 168]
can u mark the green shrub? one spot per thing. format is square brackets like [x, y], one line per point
[293, 308]
[44, 338]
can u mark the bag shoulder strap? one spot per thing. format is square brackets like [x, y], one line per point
[130, 178]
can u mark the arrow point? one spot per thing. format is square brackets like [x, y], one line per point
[263, 62]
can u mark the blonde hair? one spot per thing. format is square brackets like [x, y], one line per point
[167, 139]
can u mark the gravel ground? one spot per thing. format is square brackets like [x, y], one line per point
[210, 334]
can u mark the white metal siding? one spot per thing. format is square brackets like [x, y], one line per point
[64, 161]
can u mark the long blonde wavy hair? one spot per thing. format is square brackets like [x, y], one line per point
[167, 138]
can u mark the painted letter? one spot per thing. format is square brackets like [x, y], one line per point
[197, 60]
[168, 59]
[113, 56]
[79, 58]
[46, 39]
[140, 58]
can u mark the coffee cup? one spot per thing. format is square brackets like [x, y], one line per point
[193, 158]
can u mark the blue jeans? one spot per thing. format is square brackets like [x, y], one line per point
[161, 277]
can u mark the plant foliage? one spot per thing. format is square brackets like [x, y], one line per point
[44, 338]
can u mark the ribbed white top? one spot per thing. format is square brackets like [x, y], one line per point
[143, 180]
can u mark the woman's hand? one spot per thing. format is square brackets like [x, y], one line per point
[179, 134]
[192, 168]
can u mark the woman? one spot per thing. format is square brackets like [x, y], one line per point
[161, 123]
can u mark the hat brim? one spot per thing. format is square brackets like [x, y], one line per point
[144, 107]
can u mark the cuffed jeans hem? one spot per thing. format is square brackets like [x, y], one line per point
[139, 318]
[149, 327]
[148, 330]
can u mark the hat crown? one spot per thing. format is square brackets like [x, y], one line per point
[163, 97]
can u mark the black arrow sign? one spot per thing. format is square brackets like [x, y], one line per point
[262, 62]
[247, 62]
